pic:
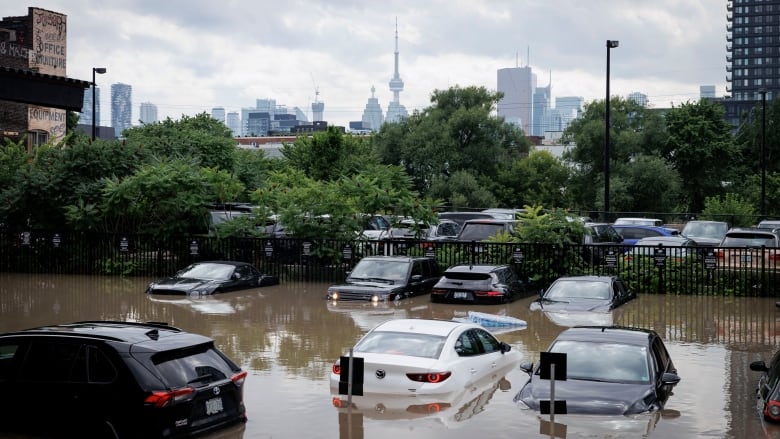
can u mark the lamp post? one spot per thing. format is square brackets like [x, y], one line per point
[95, 70]
[763, 160]
[610, 45]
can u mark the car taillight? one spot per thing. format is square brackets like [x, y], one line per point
[438, 291]
[432, 377]
[337, 368]
[239, 378]
[488, 293]
[162, 398]
[772, 410]
[433, 407]
[720, 254]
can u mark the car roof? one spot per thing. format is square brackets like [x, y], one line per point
[674, 239]
[615, 334]
[589, 278]
[475, 268]
[424, 326]
[490, 221]
[751, 231]
[234, 263]
[129, 332]
[397, 258]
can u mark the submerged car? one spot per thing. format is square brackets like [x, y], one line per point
[479, 283]
[212, 277]
[426, 357]
[584, 293]
[705, 233]
[387, 278]
[610, 370]
[110, 379]
[768, 389]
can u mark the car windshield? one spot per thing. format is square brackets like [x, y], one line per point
[578, 289]
[705, 230]
[380, 269]
[602, 361]
[402, 343]
[480, 231]
[207, 271]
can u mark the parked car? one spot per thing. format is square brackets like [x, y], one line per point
[638, 222]
[632, 233]
[706, 233]
[212, 277]
[502, 213]
[415, 357]
[102, 379]
[768, 224]
[599, 240]
[479, 284]
[386, 278]
[749, 248]
[584, 293]
[768, 388]
[483, 229]
[676, 246]
[609, 371]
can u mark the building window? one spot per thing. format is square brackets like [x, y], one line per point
[36, 138]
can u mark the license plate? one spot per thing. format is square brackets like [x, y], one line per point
[461, 295]
[214, 406]
[745, 259]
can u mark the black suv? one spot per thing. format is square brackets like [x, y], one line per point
[384, 278]
[479, 283]
[117, 379]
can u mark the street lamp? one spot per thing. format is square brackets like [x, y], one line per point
[763, 160]
[100, 70]
[611, 44]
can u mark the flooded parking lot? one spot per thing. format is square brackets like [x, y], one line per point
[287, 337]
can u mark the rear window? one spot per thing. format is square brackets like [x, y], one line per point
[479, 232]
[193, 366]
[402, 343]
[460, 275]
[749, 240]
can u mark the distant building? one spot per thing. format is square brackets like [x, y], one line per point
[541, 121]
[518, 85]
[569, 108]
[218, 113]
[639, 98]
[148, 113]
[85, 117]
[372, 114]
[395, 111]
[121, 108]
[707, 92]
[233, 122]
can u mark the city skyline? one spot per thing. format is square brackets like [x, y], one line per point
[188, 57]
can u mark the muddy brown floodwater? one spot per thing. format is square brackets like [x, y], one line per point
[287, 337]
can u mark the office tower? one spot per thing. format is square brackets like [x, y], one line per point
[518, 85]
[569, 108]
[121, 108]
[541, 106]
[396, 111]
[233, 122]
[85, 117]
[752, 61]
[639, 98]
[317, 107]
[148, 112]
[218, 113]
[372, 114]
[706, 91]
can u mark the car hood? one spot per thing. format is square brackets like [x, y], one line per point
[591, 397]
[365, 286]
[588, 305]
[183, 284]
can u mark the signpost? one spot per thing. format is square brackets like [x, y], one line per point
[552, 366]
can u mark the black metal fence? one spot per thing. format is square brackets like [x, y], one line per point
[672, 270]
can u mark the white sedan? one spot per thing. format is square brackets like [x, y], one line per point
[424, 357]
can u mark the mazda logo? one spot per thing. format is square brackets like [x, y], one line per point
[379, 373]
[216, 390]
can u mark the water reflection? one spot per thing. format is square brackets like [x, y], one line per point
[287, 336]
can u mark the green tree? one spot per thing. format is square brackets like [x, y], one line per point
[700, 147]
[200, 137]
[463, 190]
[539, 179]
[329, 155]
[731, 208]
[458, 132]
[634, 130]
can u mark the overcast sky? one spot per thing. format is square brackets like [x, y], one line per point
[187, 56]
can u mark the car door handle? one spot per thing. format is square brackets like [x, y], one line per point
[493, 364]
[473, 371]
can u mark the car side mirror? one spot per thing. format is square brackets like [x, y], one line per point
[236, 276]
[759, 366]
[527, 367]
[417, 278]
[505, 347]
[670, 378]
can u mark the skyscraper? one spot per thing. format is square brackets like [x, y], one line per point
[218, 113]
[85, 117]
[234, 123]
[753, 65]
[639, 98]
[518, 85]
[121, 108]
[372, 114]
[396, 111]
[148, 112]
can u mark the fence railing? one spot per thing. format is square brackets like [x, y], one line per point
[670, 270]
